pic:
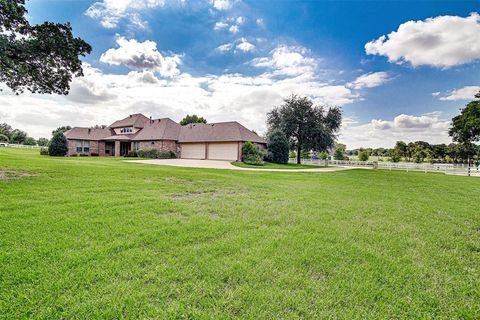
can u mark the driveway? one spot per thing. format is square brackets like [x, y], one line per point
[217, 164]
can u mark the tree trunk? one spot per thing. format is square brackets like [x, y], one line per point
[299, 151]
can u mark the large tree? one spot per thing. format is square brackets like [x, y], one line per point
[192, 119]
[466, 126]
[40, 58]
[306, 126]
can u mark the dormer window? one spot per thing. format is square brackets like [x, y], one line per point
[126, 130]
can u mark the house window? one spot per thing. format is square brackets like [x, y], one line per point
[136, 145]
[83, 146]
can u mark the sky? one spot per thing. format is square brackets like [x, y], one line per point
[400, 70]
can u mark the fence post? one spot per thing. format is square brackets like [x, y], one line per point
[469, 171]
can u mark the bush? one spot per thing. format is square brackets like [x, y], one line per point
[58, 145]
[292, 155]
[132, 154]
[155, 154]
[277, 143]
[395, 156]
[338, 155]
[323, 155]
[252, 154]
[94, 154]
[44, 151]
[83, 155]
[305, 154]
[363, 155]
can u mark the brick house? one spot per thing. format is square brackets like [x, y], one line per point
[216, 141]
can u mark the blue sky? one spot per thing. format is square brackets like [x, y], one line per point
[235, 60]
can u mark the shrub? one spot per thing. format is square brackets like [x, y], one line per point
[58, 145]
[132, 154]
[94, 154]
[363, 155]
[338, 155]
[44, 151]
[83, 155]
[155, 154]
[277, 143]
[292, 154]
[395, 156]
[323, 155]
[305, 154]
[252, 154]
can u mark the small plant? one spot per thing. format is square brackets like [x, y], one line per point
[323, 155]
[44, 151]
[363, 156]
[252, 154]
[132, 154]
[277, 146]
[292, 155]
[154, 154]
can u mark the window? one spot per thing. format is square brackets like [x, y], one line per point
[83, 146]
[136, 145]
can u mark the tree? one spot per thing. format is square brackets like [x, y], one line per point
[401, 148]
[192, 119]
[306, 127]
[339, 151]
[252, 154]
[395, 155]
[18, 136]
[363, 155]
[58, 145]
[29, 141]
[42, 142]
[323, 155]
[466, 126]
[61, 129]
[40, 58]
[3, 138]
[278, 148]
[6, 130]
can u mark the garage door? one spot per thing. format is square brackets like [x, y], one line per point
[193, 151]
[223, 151]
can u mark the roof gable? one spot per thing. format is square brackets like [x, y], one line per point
[159, 129]
[137, 120]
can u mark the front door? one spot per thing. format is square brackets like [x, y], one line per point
[124, 148]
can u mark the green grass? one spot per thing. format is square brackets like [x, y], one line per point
[269, 165]
[92, 238]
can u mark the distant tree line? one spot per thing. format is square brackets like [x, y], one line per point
[421, 151]
[17, 136]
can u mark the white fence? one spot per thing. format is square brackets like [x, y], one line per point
[450, 169]
[12, 145]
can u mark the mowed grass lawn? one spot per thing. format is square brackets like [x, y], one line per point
[100, 238]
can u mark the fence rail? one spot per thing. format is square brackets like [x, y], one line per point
[13, 145]
[445, 168]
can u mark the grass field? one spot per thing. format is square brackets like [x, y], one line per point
[269, 165]
[100, 238]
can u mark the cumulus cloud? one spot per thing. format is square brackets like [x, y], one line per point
[222, 4]
[234, 29]
[110, 12]
[465, 93]
[141, 56]
[245, 46]
[103, 97]
[225, 47]
[220, 25]
[288, 60]
[431, 127]
[370, 80]
[443, 41]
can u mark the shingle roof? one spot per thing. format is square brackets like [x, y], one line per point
[216, 132]
[120, 137]
[88, 133]
[137, 120]
[159, 129]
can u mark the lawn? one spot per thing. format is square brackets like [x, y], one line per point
[100, 238]
[269, 165]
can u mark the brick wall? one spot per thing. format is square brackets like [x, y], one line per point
[161, 145]
[97, 147]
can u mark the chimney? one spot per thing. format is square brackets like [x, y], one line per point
[150, 119]
[89, 130]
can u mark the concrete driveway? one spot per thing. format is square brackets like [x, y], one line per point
[217, 164]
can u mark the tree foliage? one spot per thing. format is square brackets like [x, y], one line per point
[252, 154]
[40, 58]
[192, 119]
[466, 126]
[58, 145]
[306, 126]
[363, 155]
[42, 142]
[340, 149]
[61, 129]
[278, 148]
[18, 136]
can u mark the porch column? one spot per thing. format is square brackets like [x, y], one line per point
[117, 148]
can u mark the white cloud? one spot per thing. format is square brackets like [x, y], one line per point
[233, 29]
[465, 93]
[443, 41]
[431, 127]
[110, 12]
[245, 46]
[220, 25]
[288, 60]
[222, 4]
[141, 56]
[369, 80]
[240, 20]
[225, 47]
[260, 22]
[102, 98]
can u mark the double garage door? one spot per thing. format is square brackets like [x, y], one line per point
[214, 151]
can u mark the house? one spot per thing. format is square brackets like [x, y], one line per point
[215, 141]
